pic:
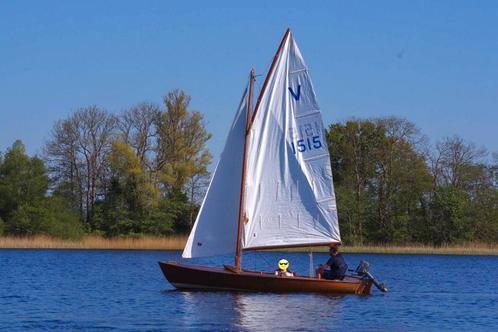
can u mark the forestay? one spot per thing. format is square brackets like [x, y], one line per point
[215, 229]
[290, 197]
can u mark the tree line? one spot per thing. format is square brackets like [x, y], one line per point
[392, 186]
[139, 172]
[145, 170]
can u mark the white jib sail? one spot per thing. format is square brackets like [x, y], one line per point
[290, 197]
[215, 229]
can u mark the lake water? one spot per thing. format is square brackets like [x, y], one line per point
[125, 290]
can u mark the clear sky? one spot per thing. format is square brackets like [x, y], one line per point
[432, 62]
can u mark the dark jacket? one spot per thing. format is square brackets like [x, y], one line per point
[338, 267]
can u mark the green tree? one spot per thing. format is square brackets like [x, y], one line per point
[24, 205]
[181, 143]
[182, 210]
[131, 197]
[353, 146]
[23, 180]
[464, 202]
[484, 214]
[65, 221]
[402, 179]
[49, 217]
[30, 220]
[380, 178]
[449, 224]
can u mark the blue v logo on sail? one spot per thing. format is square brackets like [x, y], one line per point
[296, 96]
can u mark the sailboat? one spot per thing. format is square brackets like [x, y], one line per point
[272, 189]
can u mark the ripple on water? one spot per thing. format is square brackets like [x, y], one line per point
[125, 290]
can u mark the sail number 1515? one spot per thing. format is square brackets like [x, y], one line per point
[310, 143]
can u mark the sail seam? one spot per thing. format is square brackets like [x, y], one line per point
[312, 112]
[331, 198]
[316, 157]
[298, 71]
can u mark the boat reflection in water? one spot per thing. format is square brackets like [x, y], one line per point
[257, 311]
[285, 312]
[205, 311]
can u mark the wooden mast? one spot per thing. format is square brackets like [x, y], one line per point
[249, 121]
[243, 182]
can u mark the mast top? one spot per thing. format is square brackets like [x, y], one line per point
[270, 72]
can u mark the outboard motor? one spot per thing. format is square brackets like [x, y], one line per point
[362, 271]
[362, 268]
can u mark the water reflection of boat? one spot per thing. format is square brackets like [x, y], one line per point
[274, 177]
[213, 311]
[286, 312]
[243, 311]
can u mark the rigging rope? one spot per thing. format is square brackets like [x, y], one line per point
[271, 266]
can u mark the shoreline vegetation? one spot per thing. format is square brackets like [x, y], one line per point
[143, 173]
[177, 242]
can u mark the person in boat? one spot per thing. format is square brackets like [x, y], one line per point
[335, 268]
[283, 269]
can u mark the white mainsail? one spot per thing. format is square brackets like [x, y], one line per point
[289, 193]
[290, 198]
[215, 229]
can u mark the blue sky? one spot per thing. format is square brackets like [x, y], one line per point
[432, 62]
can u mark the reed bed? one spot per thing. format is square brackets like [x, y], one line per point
[95, 242]
[422, 249]
[178, 242]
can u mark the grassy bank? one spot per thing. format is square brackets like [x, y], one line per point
[178, 242]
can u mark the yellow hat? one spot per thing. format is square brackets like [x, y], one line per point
[283, 264]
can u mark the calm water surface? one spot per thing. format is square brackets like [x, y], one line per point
[125, 290]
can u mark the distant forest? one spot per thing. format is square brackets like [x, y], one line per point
[144, 172]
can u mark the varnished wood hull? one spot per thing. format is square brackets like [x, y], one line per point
[184, 276]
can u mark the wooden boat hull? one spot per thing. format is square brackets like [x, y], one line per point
[184, 276]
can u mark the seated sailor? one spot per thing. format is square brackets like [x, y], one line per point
[335, 268]
[283, 269]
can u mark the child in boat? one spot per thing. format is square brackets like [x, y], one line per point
[283, 269]
[335, 268]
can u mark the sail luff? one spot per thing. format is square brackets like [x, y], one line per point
[243, 177]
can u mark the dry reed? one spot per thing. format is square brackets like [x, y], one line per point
[422, 249]
[178, 242]
[95, 242]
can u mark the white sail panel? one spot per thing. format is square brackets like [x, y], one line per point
[215, 229]
[290, 197]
